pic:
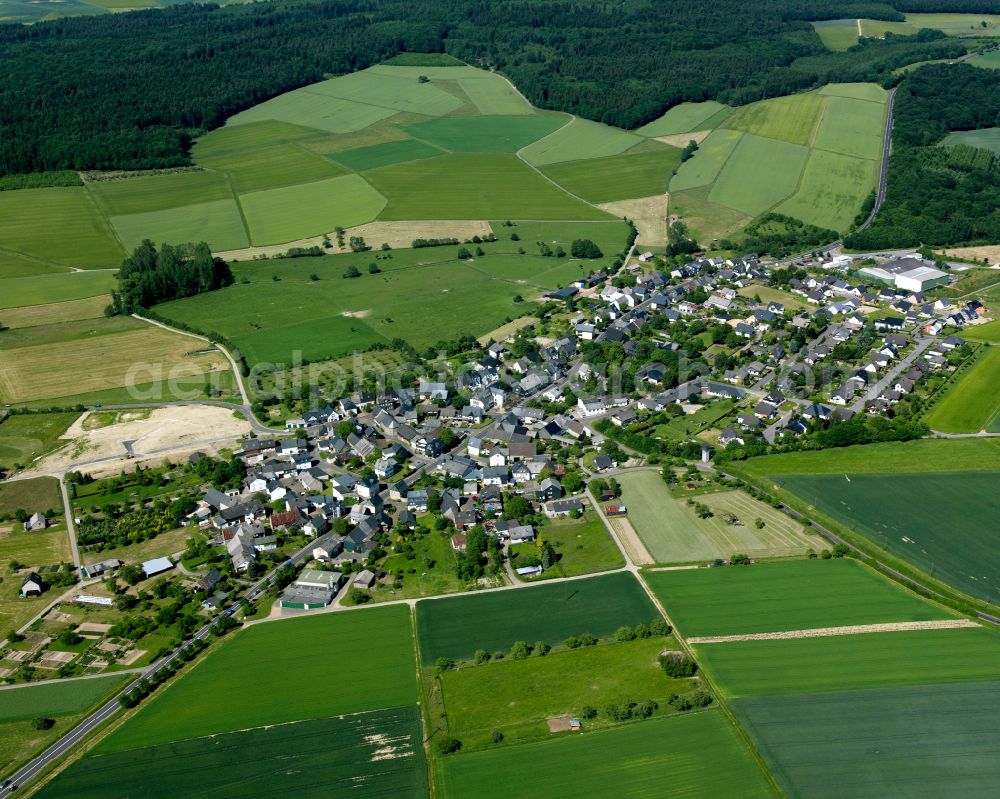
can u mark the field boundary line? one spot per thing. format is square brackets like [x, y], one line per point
[829, 632]
[105, 216]
[45, 262]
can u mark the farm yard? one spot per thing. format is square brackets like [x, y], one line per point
[781, 596]
[456, 627]
[672, 533]
[680, 756]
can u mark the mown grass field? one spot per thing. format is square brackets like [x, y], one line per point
[473, 186]
[276, 216]
[373, 754]
[289, 675]
[622, 177]
[578, 140]
[680, 756]
[989, 60]
[83, 239]
[217, 222]
[25, 437]
[517, 696]
[933, 740]
[53, 313]
[456, 627]
[837, 34]
[86, 363]
[671, 532]
[840, 663]
[37, 494]
[713, 152]
[934, 521]
[486, 134]
[790, 595]
[852, 126]
[958, 24]
[770, 294]
[135, 195]
[55, 698]
[684, 118]
[971, 403]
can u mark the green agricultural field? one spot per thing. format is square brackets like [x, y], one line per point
[580, 139]
[52, 313]
[609, 236]
[857, 91]
[697, 754]
[971, 403]
[26, 437]
[708, 161]
[334, 315]
[37, 494]
[472, 186]
[759, 174]
[385, 154]
[933, 740]
[229, 144]
[926, 455]
[672, 534]
[492, 134]
[535, 270]
[790, 595]
[852, 127]
[492, 94]
[985, 138]
[517, 696]
[275, 167]
[281, 215]
[136, 195]
[61, 698]
[369, 755]
[200, 702]
[846, 662]
[709, 221]
[683, 118]
[974, 25]
[877, 28]
[456, 627]
[791, 119]
[990, 332]
[13, 265]
[831, 190]
[989, 60]
[391, 88]
[218, 223]
[934, 521]
[84, 238]
[837, 34]
[622, 177]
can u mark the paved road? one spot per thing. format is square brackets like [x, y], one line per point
[883, 176]
[901, 366]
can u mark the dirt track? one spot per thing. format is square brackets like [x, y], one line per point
[631, 541]
[824, 632]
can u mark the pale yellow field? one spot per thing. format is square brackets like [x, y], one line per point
[649, 215]
[114, 361]
[70, 311]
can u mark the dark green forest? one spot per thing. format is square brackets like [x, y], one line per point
[132, 90]
[939, 195]
[148, 276]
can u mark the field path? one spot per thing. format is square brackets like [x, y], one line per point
[827, 632]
